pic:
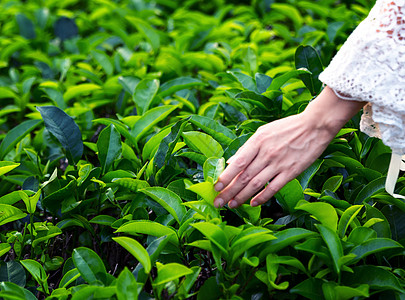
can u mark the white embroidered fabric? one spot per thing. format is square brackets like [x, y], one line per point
[370, 67]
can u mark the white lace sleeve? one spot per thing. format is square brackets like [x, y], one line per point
[370, 67]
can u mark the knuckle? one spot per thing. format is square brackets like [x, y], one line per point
[240, 162]
[272, 190]
[256, 183]
[244, 178]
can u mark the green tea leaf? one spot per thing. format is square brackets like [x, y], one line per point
[290, 195]
[168, 199]
[213, 233]
[109, 147]
[168, 144]
[307, 58]
[374, 276]
[383, 229]
[204, 143]
[219, 132]
[285, 238]
[149, 119]
[11, 291]
[12, 271]
[170, 272]
[15, 135]
[148, 227]
[177, 84]
[323, 212]
[333, 243]
[205, 190]
[103, 220]
[333, 183]
[69, 277]
[147, 30]
[103, 60]
[54, 201]
[249, 238]
[127, 287]
[4, 248]
[213, 167]
[9, 214]
[37, 272]
[7, 166]
[31, 202]
[26, 26]
[245, 80]
[89, 264]
[144, 93]
[136, 249]
[64, 129]
[370, 189]
[347, 218]
[373, 246]
[280, 80]
[80, 90]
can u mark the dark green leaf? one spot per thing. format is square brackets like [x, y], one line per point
[11, 291]
[65, 28]
[13, 272]
[262, 82]
[27, 28]
[377, 278]
[245, 80]
[219, 132]
[334, 245]
[89, 264]
[168, 199]
[64, 129]
[168, 143]
[306, 57]
[290, 195]
[372, 246]
[15, 135]
[109, 147]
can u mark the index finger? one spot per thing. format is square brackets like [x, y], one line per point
[239, 162]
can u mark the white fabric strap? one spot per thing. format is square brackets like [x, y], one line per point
[396, 165]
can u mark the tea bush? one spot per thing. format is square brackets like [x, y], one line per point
[116, 120]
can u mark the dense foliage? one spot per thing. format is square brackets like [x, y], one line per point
[116, 118]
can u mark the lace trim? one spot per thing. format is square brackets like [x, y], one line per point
[370, 67]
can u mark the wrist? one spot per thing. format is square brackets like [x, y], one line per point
[329, 113]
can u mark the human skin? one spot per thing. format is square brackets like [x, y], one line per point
[281, 150]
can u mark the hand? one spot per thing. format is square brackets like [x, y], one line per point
[279, 151]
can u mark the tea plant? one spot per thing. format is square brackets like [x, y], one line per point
[117, 118]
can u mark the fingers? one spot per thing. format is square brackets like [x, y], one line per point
[271, 189]
[245, 186]
[237, 163]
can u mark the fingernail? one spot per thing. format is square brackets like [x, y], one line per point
[254, 204]
[219, 203]
[219, 186]
[232, 204]
[230, 159]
